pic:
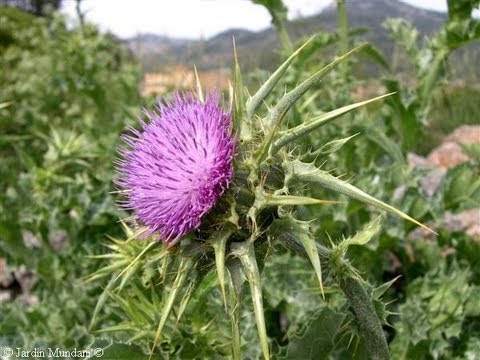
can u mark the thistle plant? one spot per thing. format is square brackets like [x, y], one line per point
[212, 188]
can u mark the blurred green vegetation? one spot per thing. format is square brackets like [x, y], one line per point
[67, 93]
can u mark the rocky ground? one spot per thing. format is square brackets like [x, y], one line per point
[445, 156]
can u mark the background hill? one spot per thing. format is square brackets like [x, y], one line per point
[257, 49]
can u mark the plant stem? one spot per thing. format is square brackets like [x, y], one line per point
[279, 16]
[81, 15]
[284, 38]
[342, 22]
[370, 326]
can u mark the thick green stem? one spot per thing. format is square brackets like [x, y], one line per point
[370, 326]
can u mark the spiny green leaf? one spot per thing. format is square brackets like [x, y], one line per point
[404, 34]
[386, 143]
[375, 54]
[318, 341]
[132, 307]
[363, 236]
[166, 261]
[309, 173]
[128, 275]
[290, 135]
[142, 302]
[106, 270]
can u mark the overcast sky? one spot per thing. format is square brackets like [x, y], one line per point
[196, 18]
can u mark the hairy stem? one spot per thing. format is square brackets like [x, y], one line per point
[370, 326]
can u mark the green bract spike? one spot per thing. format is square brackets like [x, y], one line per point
[114, 328]
[128, 275]
[254, 102]
[245, 252]
[335, 145]
[185, 265]
[264, 200]
[301, 231]
[235, 285]
[241, 124]
[289, 99]
[164, 266]
[101, 301]
[191, 288]
[219, 243]
[107, 270]
[235, 317]
[198, 86]
[277, 113]
[290, 135]
[309, 173]
[380, 290]
[332, 146]
[286, 200]
[137, 258]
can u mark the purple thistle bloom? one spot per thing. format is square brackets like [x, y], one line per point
[178, 166]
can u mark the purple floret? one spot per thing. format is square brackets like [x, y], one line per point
[177, 167]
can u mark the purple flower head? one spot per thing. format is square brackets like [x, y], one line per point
[178, 166]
